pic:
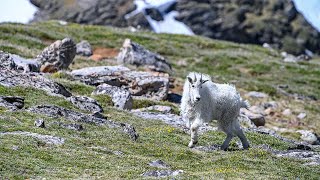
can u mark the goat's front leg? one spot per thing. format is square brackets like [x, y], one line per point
[194, 133]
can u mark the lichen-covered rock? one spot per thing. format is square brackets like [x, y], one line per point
[25, 65]
[144, 84]
[155, 108]
[135, 54]
[12, 102]
[57, 56]
[6, 61]
[84, 48]
[85, 103]
[121, 97]
[34, 80]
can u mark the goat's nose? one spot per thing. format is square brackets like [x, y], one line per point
[198, 98]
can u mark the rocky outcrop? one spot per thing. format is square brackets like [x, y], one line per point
[138, 83]
[34, 80]
[58, 112]
[135, 54]
[277, 23]
[100, 12]
[57, 56]
[121, 97]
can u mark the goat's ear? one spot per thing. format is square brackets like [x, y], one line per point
[204, 81]
[190, 79]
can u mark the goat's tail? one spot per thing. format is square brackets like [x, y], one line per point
[245, 104]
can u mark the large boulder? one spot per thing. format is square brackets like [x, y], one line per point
[144, 84]
[135, 54]
[57, 56]
[121, 97]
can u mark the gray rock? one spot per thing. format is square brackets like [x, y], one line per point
[162, 173]
[159, 164]
[44, 138]
[12, 102]
[144, 84]
[135, 54]
[256, 94]
[257, 118]
[25, 65]
[57, 56]
[286, 112]
[34, 80]
[84, 48]
[311, 156]
[76, 127]
[308, 136]
[39, 123]
[6, 61]
[15, 148]
[121, 97]
[58, 112]
[157, 108]
[85, 103]
[302, 115]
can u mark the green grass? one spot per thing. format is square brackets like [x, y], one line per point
[88, 154]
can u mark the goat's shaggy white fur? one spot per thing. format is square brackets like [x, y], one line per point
[204, 100]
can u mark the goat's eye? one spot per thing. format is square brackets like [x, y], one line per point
[192, 86]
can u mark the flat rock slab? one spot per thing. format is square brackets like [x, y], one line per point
[158, 108]
[12, 102]
[56, 112]
[44, 138]
[135, 54]
[144, 84]
[10, 78]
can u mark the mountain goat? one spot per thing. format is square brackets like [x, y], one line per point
[204, 100]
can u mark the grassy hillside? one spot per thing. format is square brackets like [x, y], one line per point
[92, 153]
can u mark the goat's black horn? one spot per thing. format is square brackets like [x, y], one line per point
[195, 78]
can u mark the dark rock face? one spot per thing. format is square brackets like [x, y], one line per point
[57, 56]
[11, 102]
[101, 12]
[274, 22]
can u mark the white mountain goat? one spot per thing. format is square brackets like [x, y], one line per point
[204, 100]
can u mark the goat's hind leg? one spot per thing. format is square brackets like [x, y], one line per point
[238, 131]
[226, 142]
[194, 133]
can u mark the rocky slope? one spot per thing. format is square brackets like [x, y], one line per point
[95, 119]
[274, 22]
